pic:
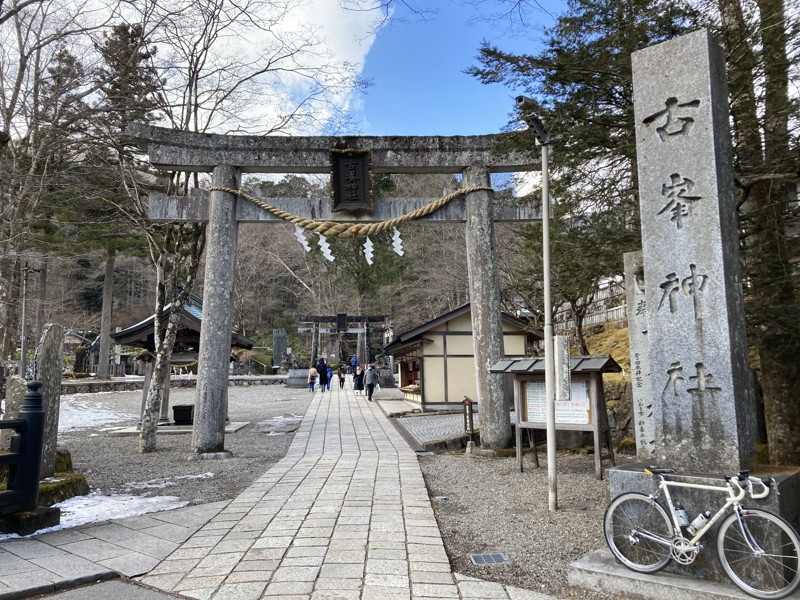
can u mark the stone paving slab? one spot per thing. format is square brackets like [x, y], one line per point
[172, 429]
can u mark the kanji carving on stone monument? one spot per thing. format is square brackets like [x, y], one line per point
[679, 193]
[692, 285]
[675, 375]
[638, 374]
[675, 119]
[702, 380]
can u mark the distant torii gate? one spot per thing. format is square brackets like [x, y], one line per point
[227, 157]
[341, 319]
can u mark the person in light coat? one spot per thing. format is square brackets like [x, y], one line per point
[370, 380]
[312, 378]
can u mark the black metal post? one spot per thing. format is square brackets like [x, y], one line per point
[25, 458]
[25, 478]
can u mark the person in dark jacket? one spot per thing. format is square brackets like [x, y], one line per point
[322, 369]
[341, 375]
[358, 381]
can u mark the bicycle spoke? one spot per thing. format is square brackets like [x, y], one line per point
[629, 520]
[760, 553]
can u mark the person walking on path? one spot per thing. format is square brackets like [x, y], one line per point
[322, 369]
[341, 375]
[330, 377]
[353, 364]
[370, 380]
[358, 381]
[312, 378]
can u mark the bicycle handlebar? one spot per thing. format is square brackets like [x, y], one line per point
[745, 483]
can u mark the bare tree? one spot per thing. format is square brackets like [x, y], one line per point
[43, 92]
[228, 67]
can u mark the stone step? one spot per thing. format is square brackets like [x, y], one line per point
[599, 571]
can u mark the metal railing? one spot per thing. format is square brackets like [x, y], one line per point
[25, 457]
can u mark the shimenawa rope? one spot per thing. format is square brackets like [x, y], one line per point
[332, 228]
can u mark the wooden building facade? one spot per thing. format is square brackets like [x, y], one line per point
[437, 359]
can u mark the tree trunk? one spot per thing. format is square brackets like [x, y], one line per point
[155, 394]
[11, 297]
[41, 299]
[780, 348]
[103, 369]
[780, 372]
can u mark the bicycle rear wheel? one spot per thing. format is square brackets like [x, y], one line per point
[630, 523]
[760, 555]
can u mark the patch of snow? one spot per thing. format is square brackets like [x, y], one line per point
[82, 411]
[207, 475]
[153, 484]
[95, 508]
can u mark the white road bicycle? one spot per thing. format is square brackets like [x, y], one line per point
[758, 550]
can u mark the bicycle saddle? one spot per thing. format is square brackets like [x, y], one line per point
[652, 470]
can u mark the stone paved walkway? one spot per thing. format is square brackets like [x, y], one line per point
[345, 515]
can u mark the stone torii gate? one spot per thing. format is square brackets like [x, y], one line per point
[227, 157]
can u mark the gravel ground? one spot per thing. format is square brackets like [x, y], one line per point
[484, 505]
[481, 504]
[113, 464]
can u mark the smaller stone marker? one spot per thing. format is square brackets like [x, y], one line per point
[563, 374]
[48, 370]
[278, 346]
[640, 356]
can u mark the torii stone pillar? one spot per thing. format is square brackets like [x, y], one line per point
[211, 403]
[487, 328]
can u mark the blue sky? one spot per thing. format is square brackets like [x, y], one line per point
[417, 73]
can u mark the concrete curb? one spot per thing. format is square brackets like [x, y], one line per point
[599, 571]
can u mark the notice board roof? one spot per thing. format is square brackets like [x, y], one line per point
[577, 364]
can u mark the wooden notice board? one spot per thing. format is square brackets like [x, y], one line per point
[585, 411]
[578, 411]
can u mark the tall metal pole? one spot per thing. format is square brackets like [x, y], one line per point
[535, 125]
[549, 370]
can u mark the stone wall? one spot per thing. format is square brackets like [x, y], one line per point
[619, 405]
[90, 386]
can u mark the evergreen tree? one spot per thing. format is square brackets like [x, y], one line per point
[762, 43]
[582, 81]
[582, 84]
[128, 89]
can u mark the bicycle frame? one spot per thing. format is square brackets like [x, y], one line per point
[734, 499]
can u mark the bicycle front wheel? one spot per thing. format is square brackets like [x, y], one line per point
[760, 554]
[638, 532]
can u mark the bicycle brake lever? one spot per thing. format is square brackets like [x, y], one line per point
[772, 484]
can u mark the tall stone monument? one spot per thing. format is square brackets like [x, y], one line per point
[703, 413]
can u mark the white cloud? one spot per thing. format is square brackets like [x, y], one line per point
[349, 34]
